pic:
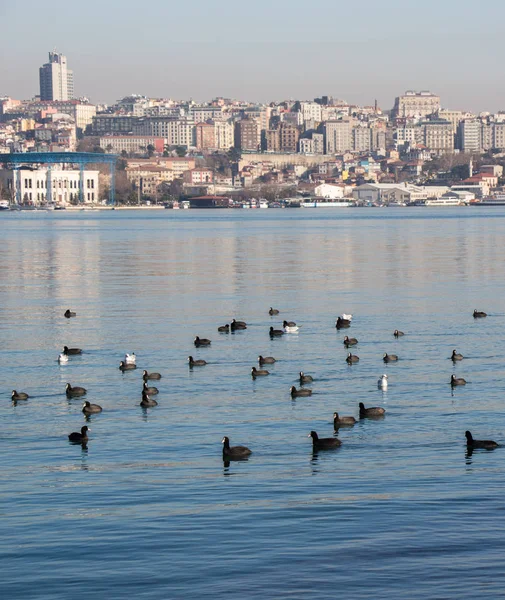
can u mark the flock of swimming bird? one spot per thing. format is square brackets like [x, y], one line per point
[375, 412]
[242, 452]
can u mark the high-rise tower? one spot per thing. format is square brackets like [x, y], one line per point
[56, 80]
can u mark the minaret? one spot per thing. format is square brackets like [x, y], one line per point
[470, 168]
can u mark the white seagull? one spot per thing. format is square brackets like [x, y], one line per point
[130, 359]
[382, 382]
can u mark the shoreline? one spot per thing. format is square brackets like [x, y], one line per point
[99, 207]
[157, 207]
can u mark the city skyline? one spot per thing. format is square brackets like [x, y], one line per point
[262, 52]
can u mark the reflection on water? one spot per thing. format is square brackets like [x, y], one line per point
[389, 503]
[71, 258]
[314, 457]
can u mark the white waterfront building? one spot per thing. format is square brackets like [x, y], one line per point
[385, 193]
[331, 191]
[28, 186]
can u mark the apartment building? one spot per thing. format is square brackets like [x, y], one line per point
[379, 139]
[305, 146]
[272, 140]
[454, 117]
[260, 114]
[293, 118]
[247, 135]
[338, 136]
[486, 136]
[438, 135]
[177, 164]
[311, 111]
[415, 104]
[198, 176]
[205, 135]
[81, 112]
[131, 144]
[120, 124]
[201, 114]
[469, 133]
[288, 137]
[147, 178]
[56, 79]
[498, 136]
[407, 134]
[361, 138]
[224, 135]
[177, 132]
[318, 143]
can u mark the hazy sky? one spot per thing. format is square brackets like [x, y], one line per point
[262, 50]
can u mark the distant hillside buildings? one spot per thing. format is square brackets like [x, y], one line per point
[325, 143]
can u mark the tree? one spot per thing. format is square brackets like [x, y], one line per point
[150, 150]
[175, 189]
[447, 162]
[460, 172]
[89, 144]
[132, 198]
[181, 151]
[234, 154]
[123, 187]
[5, 192]
[164, 191]
[218, 162]
[270, 192]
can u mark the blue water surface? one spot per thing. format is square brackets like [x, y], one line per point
[149, 509]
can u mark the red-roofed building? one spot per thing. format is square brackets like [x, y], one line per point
[481, 184]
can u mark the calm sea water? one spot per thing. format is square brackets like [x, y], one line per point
[149, 510]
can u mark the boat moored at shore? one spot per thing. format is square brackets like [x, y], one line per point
[496, 200]
[317, 202]
[444, 202]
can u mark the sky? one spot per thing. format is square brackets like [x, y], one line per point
[261, 51]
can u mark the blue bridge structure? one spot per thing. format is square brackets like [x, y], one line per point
[16, 160]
